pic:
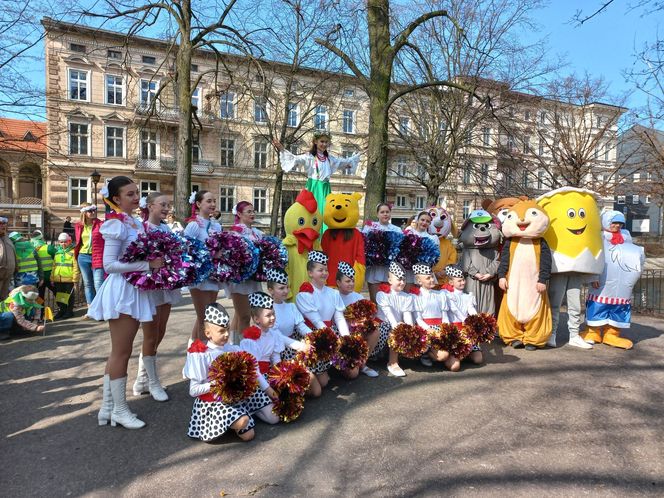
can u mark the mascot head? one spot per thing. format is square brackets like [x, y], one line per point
[574, 233]
[480, 231]
[342, 210]
[525, 220]
[441, 223]
[302, 220]
[500, 207]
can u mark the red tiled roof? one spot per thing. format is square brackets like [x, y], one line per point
[14, 131]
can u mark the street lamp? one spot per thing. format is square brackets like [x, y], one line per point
[95, 176]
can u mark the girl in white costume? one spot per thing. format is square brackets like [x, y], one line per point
[200, 226]
[422, 222]
[376, 275]
[155, 208]
[244, 219]
[119, 302]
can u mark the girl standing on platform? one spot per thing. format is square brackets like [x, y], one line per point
[155, 208]
[322, 307]
[120, 303]
[318, 165]
[244, 219]
[203, 203]
[376, 275]
[394, 307]
[209, 418]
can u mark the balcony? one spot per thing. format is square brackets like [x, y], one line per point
[157, 165]
[202, 167]
[169, 114]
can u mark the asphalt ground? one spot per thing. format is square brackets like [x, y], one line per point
[555, 422]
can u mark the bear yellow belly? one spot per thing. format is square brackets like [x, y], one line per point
[523, 300]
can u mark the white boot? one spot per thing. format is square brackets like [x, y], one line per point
[121, 414]
[104, 415]
[154, 386]
[141, 384]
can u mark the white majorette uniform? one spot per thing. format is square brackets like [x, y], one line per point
[199, 229]
[159, 297]
[290, 324]
[461, 306]
[410, 276]
[209, 418]
[431, 307]
[248, 286]
[393, 308]
[351, 298]
[377, 274]
[117, 296]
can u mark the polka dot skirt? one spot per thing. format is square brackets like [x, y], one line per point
[381, 345]
[256, 401]
[210, 420]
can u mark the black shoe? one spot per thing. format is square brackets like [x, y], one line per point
[517, 344]
[67, 315]
[530, 347]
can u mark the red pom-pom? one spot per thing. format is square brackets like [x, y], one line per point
[323, 344]
[361, 317]
[385, 288]
[233, 377]
[480, 328]
[447, 337]
[415, 290]
[408, 340]
[307, 287]
[352, 352]
[197, 347]
[289, 376]
[252, 332]
[288, 407]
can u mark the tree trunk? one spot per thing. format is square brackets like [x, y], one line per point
[276, 200]
[433, 192]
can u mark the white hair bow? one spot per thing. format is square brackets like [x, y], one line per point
[192, 197]
[143, 203]
[104, 191]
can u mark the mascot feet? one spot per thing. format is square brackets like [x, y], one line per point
[517, 344]
[593, 335]
[612, 338]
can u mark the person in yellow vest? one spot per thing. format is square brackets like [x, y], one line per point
[45, 254]
[28, 268]
[65, 276]
[18, 312]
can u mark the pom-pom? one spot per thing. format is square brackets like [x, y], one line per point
[272, 256]
[152, 245]
[408, 340]
[289, 376]
[409, 250]
[480, 328]
[381, 247]
[361, 317]
[352, 352]
[288, 407]
[233, 377]
[307, 287]
[198, 263]
[234, 257]
[323, 344]
[429, 252]
[447, 337]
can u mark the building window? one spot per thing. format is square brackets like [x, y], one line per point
[196, 98]
[599, 121]
[606, 151]
[527, 115]
[149, 186]
[621, 199]
[78, 85]
[227, 152]
[542, 117]
[541, 147]
[525, 179]
[486, 136]
[526, 145]
[148, 92]
[114, 54]
[635, 199]
[76, 47]
[348, 121]
[404, 125]
[195, 149]
[227, 105]
[78, 191]
[320, 117]
[78, 138]
[401, 201]
[402, 166]
[194, 68]
[260, 154]
[540, 179]
[293, 115]
[349, 92]
[419, 202]
[466, 174]
[260, 200]
[636, 177]
[346, 153]
[648, 200]
[148, 59]
[148, 144]
[510, 143]
[293, 149]
[114, 141]
[484, 169]
[114, 90]
[226, 199]
[260, 110]
[466, 209]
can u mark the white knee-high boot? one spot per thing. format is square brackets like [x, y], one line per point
[154, 386]
[121, 414]
[141, 384]
[104, 415]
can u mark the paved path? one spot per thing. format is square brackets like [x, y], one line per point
[562, 422]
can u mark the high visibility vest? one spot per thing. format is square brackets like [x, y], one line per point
[45, 258]
[63, 266]
[27, 263]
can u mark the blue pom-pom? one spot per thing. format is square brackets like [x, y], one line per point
[429, 252]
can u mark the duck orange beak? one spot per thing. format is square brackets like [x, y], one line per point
[305, 239]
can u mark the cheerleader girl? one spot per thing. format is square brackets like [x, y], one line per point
[318, 165]
[244, 219]
[266, 345]
[203, 203]
[346, 287]
[421, 229]
[119, 302]
[289, 321]
[155, 209]
[322, 307]
[431, 309]
[461, 306]
[378, 274]
[209, 418]
[394, 307]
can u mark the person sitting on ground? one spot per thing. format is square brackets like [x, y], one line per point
[18, 311]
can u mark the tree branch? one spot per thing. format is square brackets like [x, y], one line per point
[341, 54]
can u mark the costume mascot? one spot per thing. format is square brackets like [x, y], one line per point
[574, 237]
[524, 318]
[342, 241]
[442, 226]
[302, 225]
[609, 301]
[480, 237]
[500, 207]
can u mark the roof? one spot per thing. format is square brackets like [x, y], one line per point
[22, 136]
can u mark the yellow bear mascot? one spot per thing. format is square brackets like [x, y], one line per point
[342, 241]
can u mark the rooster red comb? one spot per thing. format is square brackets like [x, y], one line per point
[308, 200]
